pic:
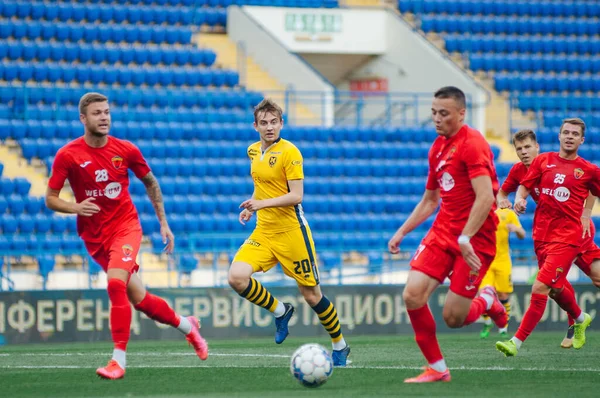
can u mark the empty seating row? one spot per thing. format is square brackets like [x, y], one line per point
[222, 3]
[90, 33]
[580, 9]
[552, 120]
[122, 75]
[136, 97]
[546, 82]
[533, 63]
[25, 244]
[18, 186]
[34, 128]
[323, 241]
[218, 223]
[312, 204]
[17, 203]
[561, 102]
[38, 223]
[111, 54]
[521, 44]
[117, 14]
[334, 185]
[510, 25]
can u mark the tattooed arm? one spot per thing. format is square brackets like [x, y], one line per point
[155, 195]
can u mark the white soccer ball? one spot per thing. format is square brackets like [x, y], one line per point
[311, 365]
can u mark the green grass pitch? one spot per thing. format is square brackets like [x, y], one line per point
[260, 368]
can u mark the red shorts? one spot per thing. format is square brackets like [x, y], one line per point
[589, 252]
[439, 262]
[120, 251]
[554, 261]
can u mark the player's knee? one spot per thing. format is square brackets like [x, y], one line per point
[413, 298]
[238, 281]
[312, 297]
[453, 321]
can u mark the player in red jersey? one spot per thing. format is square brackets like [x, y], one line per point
[96, 166]
[527, 148]
[461, 243]
[564, 181]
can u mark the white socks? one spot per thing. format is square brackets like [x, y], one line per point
[517, 342]
[439, 366]
[489, 300]
[120, 357]
[340, 345]
[487, 321]
[185, 326]
[580, 318]
[279, 310]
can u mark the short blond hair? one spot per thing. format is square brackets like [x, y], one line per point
[575, 121]
[267, 105]
[88, 99]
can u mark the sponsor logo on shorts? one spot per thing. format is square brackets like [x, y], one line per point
[117, 161]
[127, 251]
[559, 272]
[251, 242]
[473, 275]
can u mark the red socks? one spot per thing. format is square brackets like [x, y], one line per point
[532, 316]
[566, 301]
[477, 309]
[424, 326]
[120, 313]
[568, 287]
[157, 309]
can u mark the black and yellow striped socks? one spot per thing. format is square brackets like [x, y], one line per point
[257, 294]
[329, 319]
[506, 304]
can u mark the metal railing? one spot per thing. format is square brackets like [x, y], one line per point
[350, 108]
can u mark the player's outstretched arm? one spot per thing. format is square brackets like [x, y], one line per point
[292, 198]
[155, 194]
[425, 208]
[86, 208]
[502, 200]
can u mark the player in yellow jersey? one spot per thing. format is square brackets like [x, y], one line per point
[282, 234]
[499, 274]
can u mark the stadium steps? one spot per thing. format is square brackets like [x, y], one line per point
[392, 4]
[15, 166]
[256, 78]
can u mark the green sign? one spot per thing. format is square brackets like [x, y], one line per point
[313, 23]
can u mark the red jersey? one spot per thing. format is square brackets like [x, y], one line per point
[513, 180]
[453, 163]
[564, 186]
[100, 173]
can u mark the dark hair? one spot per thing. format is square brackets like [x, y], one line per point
[267, 105]
[452, 92]
[577, 122]
[522, 135]
[88, 99]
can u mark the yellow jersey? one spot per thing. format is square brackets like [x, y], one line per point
[505, 217]
[271, 170]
